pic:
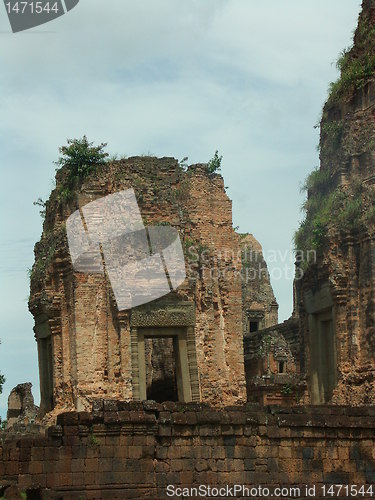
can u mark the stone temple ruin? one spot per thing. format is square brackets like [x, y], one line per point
[216, 338]
[203, 385]
[185, 346]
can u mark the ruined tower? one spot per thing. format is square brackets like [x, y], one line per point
[186, 345]
[259, 302]
[335, 299]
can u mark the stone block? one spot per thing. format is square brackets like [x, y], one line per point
[67, 419]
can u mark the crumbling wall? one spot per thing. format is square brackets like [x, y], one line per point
[21, 407]
[273, 362]
[259, 302]
[335, 297]
[134, 450]
[87, 348]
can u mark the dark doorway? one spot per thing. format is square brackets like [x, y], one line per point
[160, 357]
[254, 326]
[46, 373]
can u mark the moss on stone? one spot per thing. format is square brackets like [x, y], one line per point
[356, 64]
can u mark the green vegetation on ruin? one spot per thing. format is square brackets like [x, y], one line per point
[356, 68]
[331, 135]
[80, 157]
[327, 207]
[78, 160]
[214, 165]
[45, 252]
[330, 207]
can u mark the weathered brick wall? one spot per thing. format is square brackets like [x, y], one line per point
[288, 329]
[265, 383]
[134, 450]
[92, 351]
[345, 263]
[259, 301]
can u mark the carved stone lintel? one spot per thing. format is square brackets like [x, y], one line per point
[182, 314]
[255, 314]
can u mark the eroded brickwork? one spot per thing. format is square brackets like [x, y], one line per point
[21, 407]
[259, 302]
[274, 365]
[87, 348]
[335, 298]
[134, 450]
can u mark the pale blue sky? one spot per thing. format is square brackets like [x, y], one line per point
[175, 79]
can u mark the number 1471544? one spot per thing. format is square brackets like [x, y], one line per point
[351, 491]
[32, 7]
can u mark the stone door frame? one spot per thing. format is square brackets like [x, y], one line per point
[176, 321]
[320, 308]
[181, 359]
